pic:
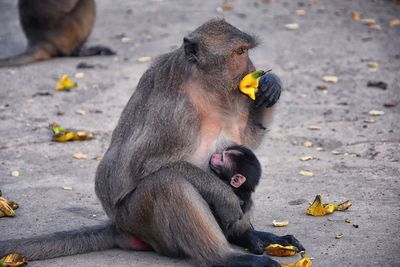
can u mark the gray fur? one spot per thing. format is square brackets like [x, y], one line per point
[152, 181]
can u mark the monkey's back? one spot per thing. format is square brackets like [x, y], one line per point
[60, 25]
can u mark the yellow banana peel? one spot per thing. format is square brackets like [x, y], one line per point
[305, 261]
[61, 134]
[318, 209]
[249, 84]
[65, 84]
[6, 207]
[13, 260]
[280, 251]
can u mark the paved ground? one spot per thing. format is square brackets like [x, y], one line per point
[366, 168]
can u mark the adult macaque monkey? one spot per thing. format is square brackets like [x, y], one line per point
[154, 180]
[55, 28]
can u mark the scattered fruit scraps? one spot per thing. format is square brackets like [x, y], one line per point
[280, 224]
[318, 209]
[13, 260]
[7, 208]
[305, 261]
[65, 84]
[281, 251]
[61, 134]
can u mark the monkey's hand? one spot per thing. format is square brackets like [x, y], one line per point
[269, 90]
[286, 240]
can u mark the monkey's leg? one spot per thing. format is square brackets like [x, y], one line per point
[168, 213]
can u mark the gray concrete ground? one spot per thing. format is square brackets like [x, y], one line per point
[328, 42]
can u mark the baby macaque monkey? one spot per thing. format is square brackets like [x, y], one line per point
[239, 167]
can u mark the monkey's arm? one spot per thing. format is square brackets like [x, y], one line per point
[223, 202]
[261, 110]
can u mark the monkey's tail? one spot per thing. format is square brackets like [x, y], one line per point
[29, 56]
[63, 243]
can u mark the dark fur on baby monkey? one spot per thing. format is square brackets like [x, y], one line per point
[239, 167]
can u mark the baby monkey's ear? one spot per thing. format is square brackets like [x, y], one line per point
[237, 180]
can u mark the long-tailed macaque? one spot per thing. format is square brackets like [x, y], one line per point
[154, 181]
[55, 28]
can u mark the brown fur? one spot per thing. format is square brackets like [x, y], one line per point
[55, 28]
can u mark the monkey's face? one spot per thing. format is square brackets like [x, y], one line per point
[220, 54]
[223, 164]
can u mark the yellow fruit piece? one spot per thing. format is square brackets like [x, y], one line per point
[83, 135]
[344, 206]
[305, 261]
[80, 156]
[249, 84]
[65, 84]
[307, 158]
[61, 134]
[316, 208]
[373, 64]
[280, 224]
[13, 260]
[330, 208]
[144, 59]
[5, 209]
[376, 113]
[330, 79]
[356, 16]
[306, 173]
[280, 251]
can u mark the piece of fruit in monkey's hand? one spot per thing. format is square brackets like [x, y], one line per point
[249, 84]
[281, 251]
[13, 260]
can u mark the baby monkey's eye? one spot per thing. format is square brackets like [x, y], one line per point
[241, 50]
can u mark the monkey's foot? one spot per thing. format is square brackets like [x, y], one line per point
[97, 50]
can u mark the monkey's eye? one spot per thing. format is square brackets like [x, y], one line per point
[241, 50]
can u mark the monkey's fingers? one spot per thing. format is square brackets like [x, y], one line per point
[269, 90]
[287, 240]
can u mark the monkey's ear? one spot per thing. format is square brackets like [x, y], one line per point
[237, 180]
[191, 46]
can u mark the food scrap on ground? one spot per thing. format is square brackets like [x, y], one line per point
[330, 79]
[144, 59]
[318, 209]
[280, 223]
[281, 251]
[61, 134]
[65, 84]
[305, 261]
[7, 207]
[13, 260]
[306, 173]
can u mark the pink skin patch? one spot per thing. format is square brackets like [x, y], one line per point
[219, 160]
[139, 245]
